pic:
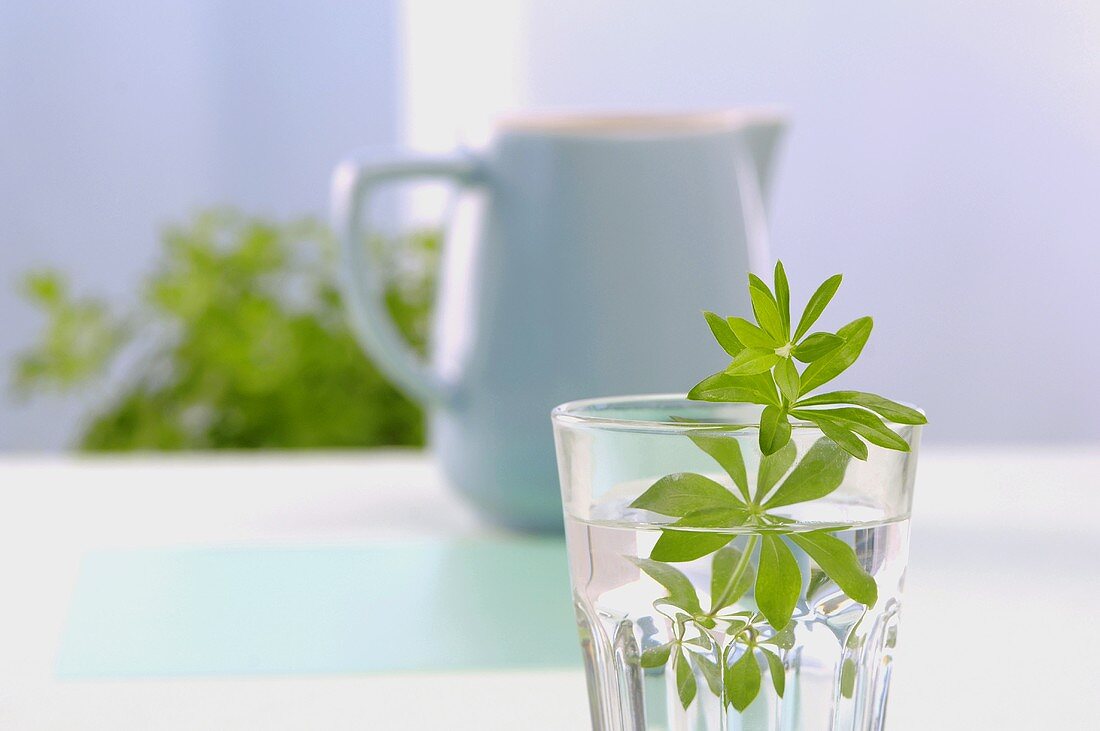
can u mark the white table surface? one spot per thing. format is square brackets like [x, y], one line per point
[998, 630]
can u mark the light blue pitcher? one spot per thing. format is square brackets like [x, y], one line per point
[599, 242]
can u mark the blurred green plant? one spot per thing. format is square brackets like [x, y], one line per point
[239, 340]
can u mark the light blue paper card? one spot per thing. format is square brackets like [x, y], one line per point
[484, 604]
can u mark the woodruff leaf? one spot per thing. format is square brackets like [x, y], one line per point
[684, 492]
[656, 657]
[783, 297]
[701, 641]
[844, 437]
[681, 546]
[685, 680]
[776, 670]
[694, 544]
[743, 681]
[831, 365]
[750, 335]
[815, 346]
[818, 301]
[772, 467]
[725, 449]
[751, 361]
[723, 333]
[838, 560]
[756, 389]
[819, 473]
[767, 311]
[778, 581]
[775, 430]
[848, 677]
[757, 283]
[865, 424]
[784, 639]
[711, 673]
[884, 407]
[677, 546]
[786, 377]
[681, 592]
[731, 575]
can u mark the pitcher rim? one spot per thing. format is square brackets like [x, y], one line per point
[611, 123]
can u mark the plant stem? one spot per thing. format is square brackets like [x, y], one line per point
[738, 571]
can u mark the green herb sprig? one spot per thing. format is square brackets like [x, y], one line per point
[756, 550]
[700, 502]
[765, 564]
[763, 371]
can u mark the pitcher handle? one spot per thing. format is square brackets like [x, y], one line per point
[363, 286]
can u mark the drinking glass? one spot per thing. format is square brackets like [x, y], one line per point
[679, 532]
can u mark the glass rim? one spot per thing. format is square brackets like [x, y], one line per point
[596, 412]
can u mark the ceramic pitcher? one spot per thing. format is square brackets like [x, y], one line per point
[597, 243]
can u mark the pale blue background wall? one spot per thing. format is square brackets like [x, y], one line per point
[118, 116]
[944, 155]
